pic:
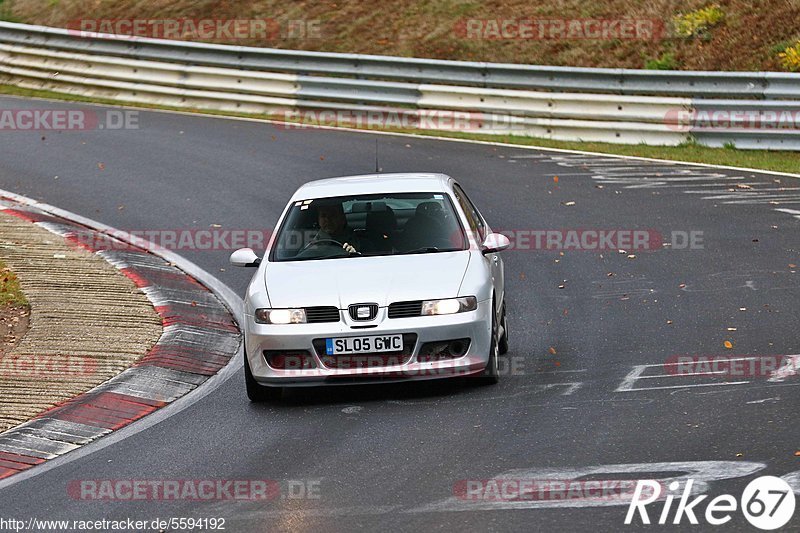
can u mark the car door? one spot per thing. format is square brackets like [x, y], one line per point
[481, 229]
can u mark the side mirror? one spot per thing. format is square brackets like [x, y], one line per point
[495, 242]
[245, 257]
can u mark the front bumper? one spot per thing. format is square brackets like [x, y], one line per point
[474, 325]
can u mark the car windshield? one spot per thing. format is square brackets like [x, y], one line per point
[369, 225]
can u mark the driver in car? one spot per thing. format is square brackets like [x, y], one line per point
[333, 226]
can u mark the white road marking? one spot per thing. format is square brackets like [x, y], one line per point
[774, 399]
[691, 385]
[572, 387]
[631, 378]
[793, 480]
[686, 374]
[726, 359]
[653, 174]
[701, 472]
[656, 172]
[790, 368]
[638, 371]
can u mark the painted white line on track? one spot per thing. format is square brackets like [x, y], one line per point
[638, 371]
[572, 388]
[688, 386]
[631, 378]
[687, 374]
[793, 480]
[772, 399]
[569, 487]
[790, 368]
[727, 359]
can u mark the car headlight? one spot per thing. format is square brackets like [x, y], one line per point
[280, 316]
[449, 306]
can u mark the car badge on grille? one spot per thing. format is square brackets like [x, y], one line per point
[363, 311]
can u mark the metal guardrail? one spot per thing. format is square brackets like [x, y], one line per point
[609, 105]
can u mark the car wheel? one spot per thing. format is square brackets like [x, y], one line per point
[491, 374]
[502, 344]
[257, 392]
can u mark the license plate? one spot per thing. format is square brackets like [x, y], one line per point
[374, 344]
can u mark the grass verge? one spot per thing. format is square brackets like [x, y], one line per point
[10, 292]
[780, 161]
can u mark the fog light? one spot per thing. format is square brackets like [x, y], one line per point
[457, 348]
[437, 351]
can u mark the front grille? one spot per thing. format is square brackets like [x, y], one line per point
[353, 361]
[322, 314]
[372, 311]
[405, 309]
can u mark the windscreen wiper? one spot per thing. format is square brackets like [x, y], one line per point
[429, 249]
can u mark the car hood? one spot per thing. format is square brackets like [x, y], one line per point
[381, 280]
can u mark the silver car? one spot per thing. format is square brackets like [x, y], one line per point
[375, 278]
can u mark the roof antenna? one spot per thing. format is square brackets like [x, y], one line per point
[377, 168]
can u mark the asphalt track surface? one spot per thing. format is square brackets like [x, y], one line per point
[390, 457]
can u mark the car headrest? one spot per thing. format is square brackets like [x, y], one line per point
[430, 209]
[381, 221]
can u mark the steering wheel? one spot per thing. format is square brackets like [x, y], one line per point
[321, 241]
[330, 242]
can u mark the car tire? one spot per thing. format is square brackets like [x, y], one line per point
[502, 344]
[257, 392]
[491, 374]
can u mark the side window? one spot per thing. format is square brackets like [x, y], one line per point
[473, 216]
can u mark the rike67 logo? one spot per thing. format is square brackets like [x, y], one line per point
[767, 502]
